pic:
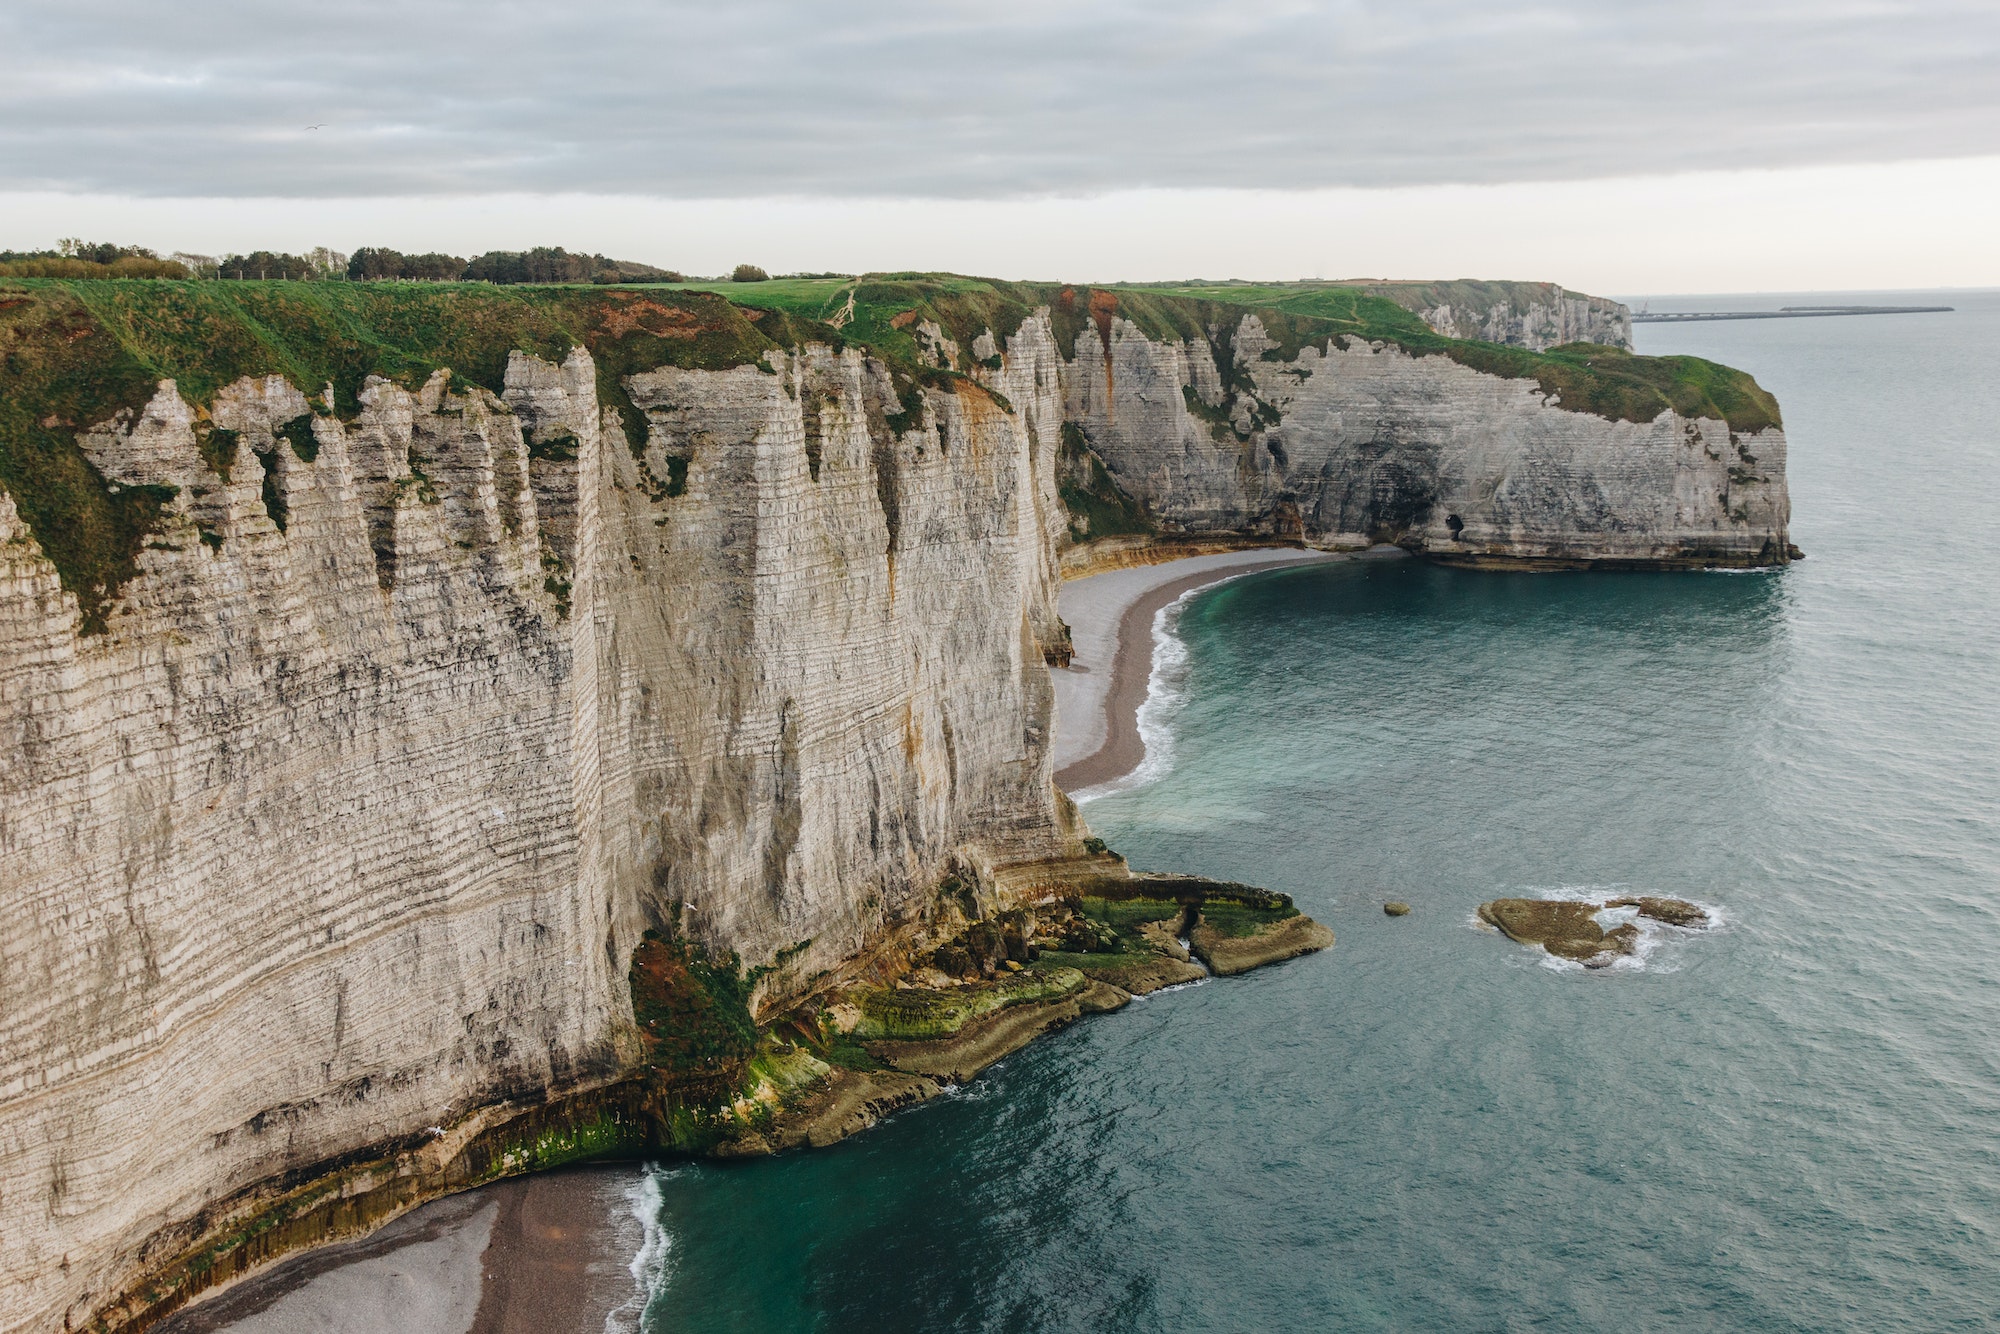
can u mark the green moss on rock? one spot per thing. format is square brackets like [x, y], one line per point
[1097, 506]
[693, 1012]
[924, 1013]
[298, 433]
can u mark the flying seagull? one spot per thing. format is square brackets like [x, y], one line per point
[316, 127]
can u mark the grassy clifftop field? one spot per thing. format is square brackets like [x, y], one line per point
[1608, 382]
[74, 353]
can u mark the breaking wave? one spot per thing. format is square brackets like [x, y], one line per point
[1166, 696]
[651, 1265]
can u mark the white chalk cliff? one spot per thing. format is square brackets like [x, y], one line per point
[1351, 441]
[1531, 315]
[341, 837]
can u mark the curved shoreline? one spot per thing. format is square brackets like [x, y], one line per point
[544, 1251]
[1111, 622]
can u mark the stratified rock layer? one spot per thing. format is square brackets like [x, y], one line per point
[349, 827]
[337, 843]
[1351, 442]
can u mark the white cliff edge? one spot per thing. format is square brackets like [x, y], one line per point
[325, 863]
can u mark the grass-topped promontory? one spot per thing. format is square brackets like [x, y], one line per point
[73, 353]
[1585, 377]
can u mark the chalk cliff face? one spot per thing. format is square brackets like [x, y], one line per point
[350, 826]
[411, 725]
[823, 674]
[1351, 441]
[290, 855]
[1531, 315]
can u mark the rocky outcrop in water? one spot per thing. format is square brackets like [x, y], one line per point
[1569, 929]
[839, 1062]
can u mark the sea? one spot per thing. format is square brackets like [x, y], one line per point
[1788, 1121]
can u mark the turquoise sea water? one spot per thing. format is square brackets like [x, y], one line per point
[1789, 1122]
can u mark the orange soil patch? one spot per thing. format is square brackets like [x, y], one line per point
[1102, 305]
[644, 315]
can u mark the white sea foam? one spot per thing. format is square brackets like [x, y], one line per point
[651, 1265]
[977, 1090]
[1657, 949]
[1166, 696]
[1163, 991]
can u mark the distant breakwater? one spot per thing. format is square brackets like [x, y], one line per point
[1782, 313]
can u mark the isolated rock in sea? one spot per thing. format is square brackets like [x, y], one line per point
[1563, 927]
[1569, 929]
[1674, 912]
[1396, 909]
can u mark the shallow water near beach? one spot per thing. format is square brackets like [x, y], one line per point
[1791, 1121]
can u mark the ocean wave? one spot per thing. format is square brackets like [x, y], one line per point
[1201, 981]
[1658, 947]
[977, 1090]
[652, 1263]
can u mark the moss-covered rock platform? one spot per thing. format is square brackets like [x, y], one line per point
[718, 1080]
[842, 1060]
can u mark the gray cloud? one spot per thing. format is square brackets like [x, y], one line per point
[872, 98]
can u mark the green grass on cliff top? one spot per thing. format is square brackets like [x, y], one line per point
[76, 352]
[1463, 293]
[1584, 377]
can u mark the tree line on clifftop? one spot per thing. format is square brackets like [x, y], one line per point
[543, 264]
[76, 258]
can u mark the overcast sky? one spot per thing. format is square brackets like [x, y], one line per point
[463, 124]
